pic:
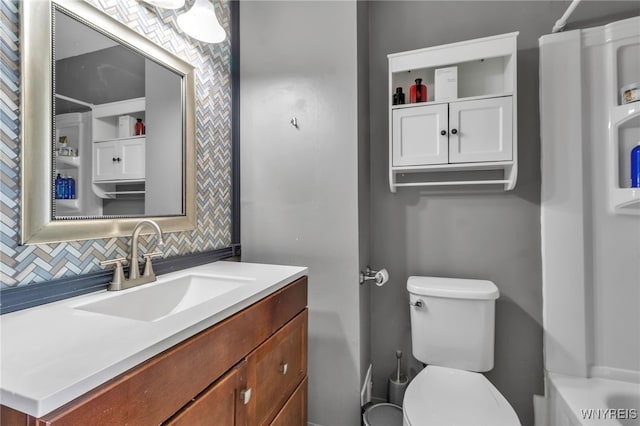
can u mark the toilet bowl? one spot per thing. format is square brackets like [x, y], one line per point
[452, 331]
[448, 396]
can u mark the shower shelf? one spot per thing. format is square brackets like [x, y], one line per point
[622, 47]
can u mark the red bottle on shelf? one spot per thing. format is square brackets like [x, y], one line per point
[139, 127]
[418, 92]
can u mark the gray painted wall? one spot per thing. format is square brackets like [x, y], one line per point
[493, 236]
[164, 150]
[300, 187]
[364, 182]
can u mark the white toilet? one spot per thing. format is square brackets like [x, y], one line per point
[452, 331]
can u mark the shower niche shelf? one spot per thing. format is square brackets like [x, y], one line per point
[622, 64]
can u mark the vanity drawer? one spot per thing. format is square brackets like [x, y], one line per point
[294, 412]
[156, 389]
[276, 369]
[217, 406]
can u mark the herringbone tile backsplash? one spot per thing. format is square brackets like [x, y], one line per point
[23, 265]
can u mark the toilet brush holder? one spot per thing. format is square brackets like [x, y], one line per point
[397, 384]
[396, 389]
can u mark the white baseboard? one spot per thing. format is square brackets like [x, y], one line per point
[365, 393]
[540, 411]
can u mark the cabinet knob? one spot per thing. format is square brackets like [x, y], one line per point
[118, 159]
[454, 131]
[443, 132]
[245, 396]
[113, 159]
[284, 367]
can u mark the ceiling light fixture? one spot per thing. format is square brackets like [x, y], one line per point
[201, 22]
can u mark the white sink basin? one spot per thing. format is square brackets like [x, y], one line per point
[161, 299]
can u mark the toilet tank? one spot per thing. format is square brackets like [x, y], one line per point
[452, 322]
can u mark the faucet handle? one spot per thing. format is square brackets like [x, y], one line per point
[152, 254]
[148, 267]
[118, 262]
[118, 273]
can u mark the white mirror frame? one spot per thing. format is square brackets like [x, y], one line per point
[36, 128]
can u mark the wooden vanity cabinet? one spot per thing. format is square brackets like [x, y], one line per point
[249, 369]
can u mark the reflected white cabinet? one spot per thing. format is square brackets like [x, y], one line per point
[119, 160]
[470, 139]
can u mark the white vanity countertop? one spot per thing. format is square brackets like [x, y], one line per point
[53, 353]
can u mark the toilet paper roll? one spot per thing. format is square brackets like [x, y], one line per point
[382, 276]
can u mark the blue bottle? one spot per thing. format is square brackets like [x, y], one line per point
[72, 188]
[58, 187]
[65, 188]
[635, 167]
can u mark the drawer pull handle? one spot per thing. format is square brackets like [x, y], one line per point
[245, 396]
[284, 367]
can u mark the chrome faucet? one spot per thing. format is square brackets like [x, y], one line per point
[119, 282]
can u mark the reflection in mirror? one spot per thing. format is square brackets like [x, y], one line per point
[118, 144]
[86, 80]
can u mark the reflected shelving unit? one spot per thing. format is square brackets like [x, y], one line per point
[76, 129]
[118, 160]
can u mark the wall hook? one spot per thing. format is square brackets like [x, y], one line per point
[294, 122]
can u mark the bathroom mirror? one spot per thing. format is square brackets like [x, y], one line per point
[107, 127]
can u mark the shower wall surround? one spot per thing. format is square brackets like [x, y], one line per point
[24, 265]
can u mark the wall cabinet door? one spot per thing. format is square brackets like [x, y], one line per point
[119, 160]
[480, 130]
[420, 135]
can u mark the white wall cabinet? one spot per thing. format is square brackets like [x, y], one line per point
[474, 134]
[119, 160]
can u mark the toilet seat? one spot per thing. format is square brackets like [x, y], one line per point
[447, 396]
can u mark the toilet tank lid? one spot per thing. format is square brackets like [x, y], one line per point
[453, 288]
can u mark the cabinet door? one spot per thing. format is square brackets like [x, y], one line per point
[481, 130]
[105, 166]
[133, 157]
[119, 160]
[276, 369]
[418, 137]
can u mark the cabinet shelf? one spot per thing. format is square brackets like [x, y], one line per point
[124, 192]
[70, 205]
[469, 98]
[67, 160]
[119, 139]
